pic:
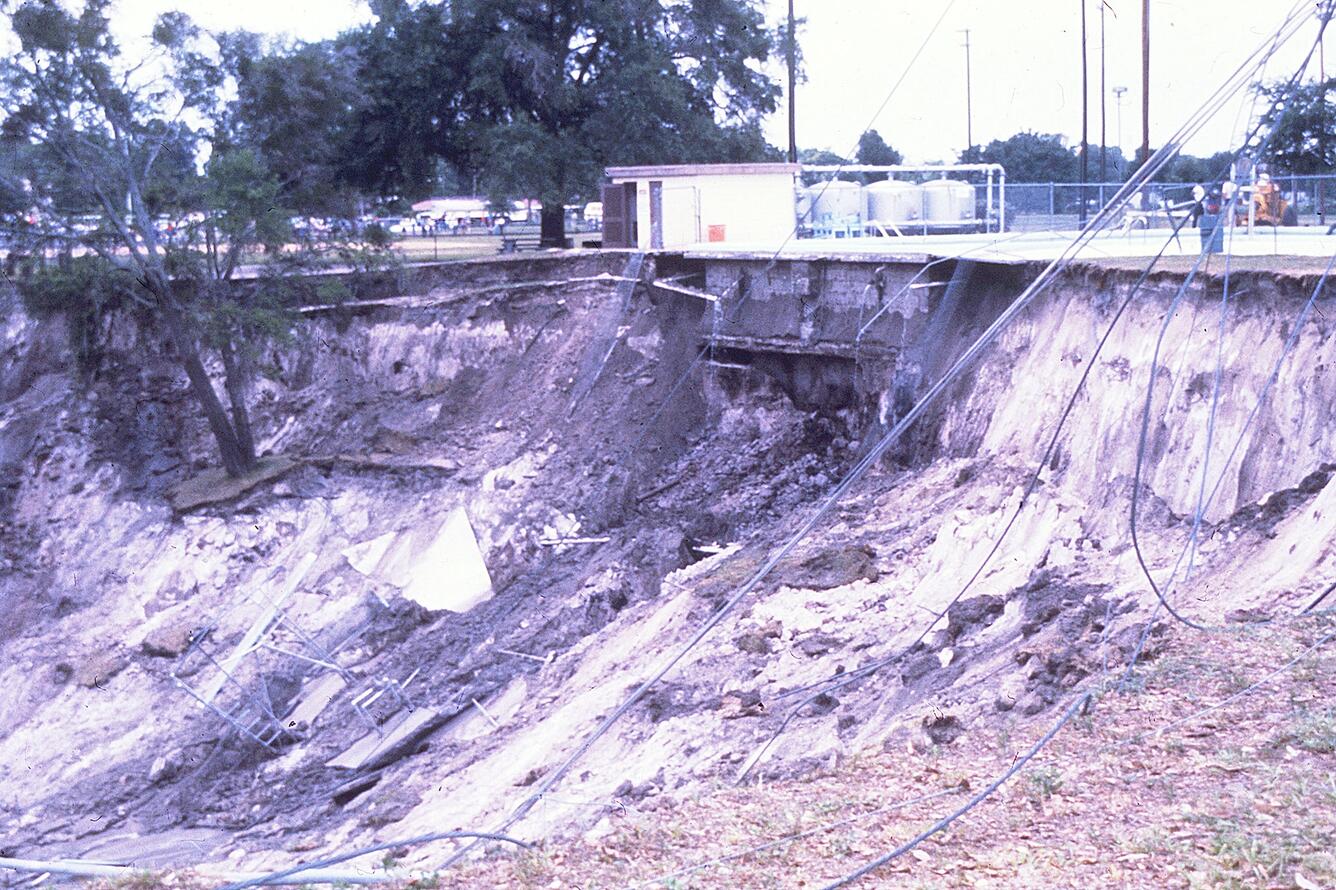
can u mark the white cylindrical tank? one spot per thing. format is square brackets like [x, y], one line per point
[893, 201]
[836, 200]
[802, 200]
[947, 202]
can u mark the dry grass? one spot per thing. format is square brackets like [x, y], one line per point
[1241, 797]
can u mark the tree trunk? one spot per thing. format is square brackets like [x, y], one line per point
[553, 220]
[236, 379]
[236, 459]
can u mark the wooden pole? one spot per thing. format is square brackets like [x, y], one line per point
[1103, 104]
[1145, 80]
[1085, 115]
[792, 50]
[969, 98]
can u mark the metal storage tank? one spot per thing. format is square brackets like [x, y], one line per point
[947, 202]
[893, 201]
[802, 201]
[836, 200]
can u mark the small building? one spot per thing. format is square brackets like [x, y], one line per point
[675, 206]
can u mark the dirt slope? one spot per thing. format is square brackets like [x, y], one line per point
[492, 397]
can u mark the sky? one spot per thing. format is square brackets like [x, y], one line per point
[1024, 59]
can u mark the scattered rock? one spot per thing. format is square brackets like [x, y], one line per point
[390, 806]
[1127, 641]
[919, 666]
[822, 704]
[817, 644]
[166, 767]
[742, 703]
[833, 568]
[168, 640]
[94, 672]
[943, 729]
[1010, 691]
[973, 614]
[1248, 616]
[757, 640]
[672, 700]
[1031, 703]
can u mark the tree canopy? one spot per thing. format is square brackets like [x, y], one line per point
[538, 96]
[872, 149]
[1028, 157]
[1298, 126]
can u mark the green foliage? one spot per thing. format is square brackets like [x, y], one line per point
[81, 289]
[1298, 126]
[295, 108]
[1314, 731]
[1041, 783]
[93, 131]
[77, 285]
[1028, 157]
[538, 97]
[872, 149]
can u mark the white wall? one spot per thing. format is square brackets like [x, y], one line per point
[752, 208]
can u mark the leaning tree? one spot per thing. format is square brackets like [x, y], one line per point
[148, 149]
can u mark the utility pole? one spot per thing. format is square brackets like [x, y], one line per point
[793, 83]
[1103, 105]
[969, 99]
[1145, 80]
[1322, 130]
[1085, 115]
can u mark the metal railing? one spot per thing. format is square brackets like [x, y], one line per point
[1056, 206]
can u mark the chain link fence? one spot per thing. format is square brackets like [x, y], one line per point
[1056, 206]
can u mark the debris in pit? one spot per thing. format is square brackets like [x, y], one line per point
[1072, 605]
[356, 786]
[741, 703]
[95, 671]
[315, 697]
[166, 767]
[757, 640]
[531, 776]
[389, 805]
[1247, 616]
[216, 487]
[975, 613]
[832, 568]
[169, 640]
[674, 700]
[398, 738]
[817, 644]
[919, 666]
[942, 729]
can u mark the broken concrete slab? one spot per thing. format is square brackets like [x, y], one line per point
[442, 572]
[396, 739]
[315, 697]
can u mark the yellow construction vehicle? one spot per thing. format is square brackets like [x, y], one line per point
[1268, 206]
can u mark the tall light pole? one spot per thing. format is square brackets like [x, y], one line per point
[969, 99]
[1118, 97]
